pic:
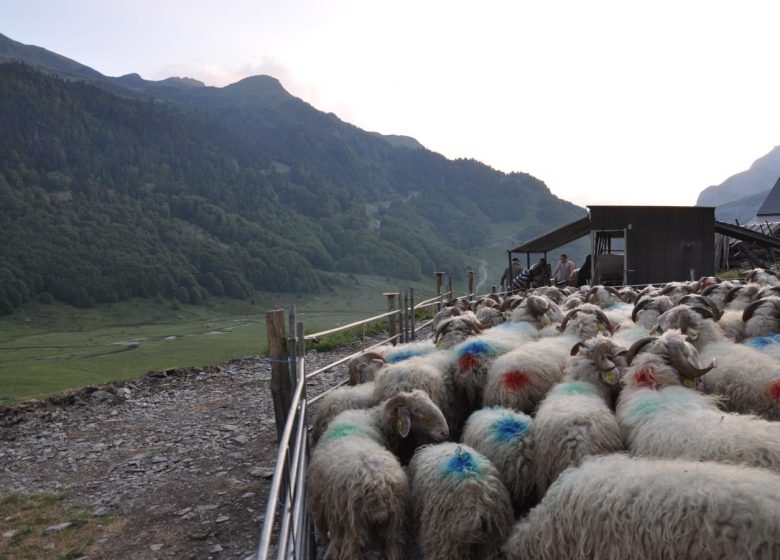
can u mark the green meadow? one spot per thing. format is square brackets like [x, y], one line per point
[46, 349]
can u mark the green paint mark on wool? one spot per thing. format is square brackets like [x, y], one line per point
[645, 408]
[344, 430]
[574, 388]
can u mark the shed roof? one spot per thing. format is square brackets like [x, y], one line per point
[746, 234]
[556, 238]
[771, 204]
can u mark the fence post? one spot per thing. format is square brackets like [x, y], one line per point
[392, 319]
[402, 302]
[412, 318]
[281, 386]
[449, 287]
[492, 289]
[472, 276]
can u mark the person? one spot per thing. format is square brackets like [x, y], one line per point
[540, 273]
[563, 270]
[584, 274]
[510, 273]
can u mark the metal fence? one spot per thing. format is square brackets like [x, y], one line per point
[287, 531]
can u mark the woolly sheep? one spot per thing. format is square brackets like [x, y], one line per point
[575, 420]
[536, 311]
[616, 507]
[603, 296]
[506, 437]
[462, 510]
[762, 317]
[739, 297]
[748, 380]
[357, 489]
[718, 292]
[339, 400]
[363, 368]
[763, 277]
[490, 317]
[453, 331]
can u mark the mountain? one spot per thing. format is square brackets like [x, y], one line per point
[113, 188]
[743, 209]
[760, 178]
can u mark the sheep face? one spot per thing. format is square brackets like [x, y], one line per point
[607, 358]
[664, 361]
[415, 413]
[762, 317]
[490, 317]
[689, 320]
[455, 330]
[363, 368]
[586, 321]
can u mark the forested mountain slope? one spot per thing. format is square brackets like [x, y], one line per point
[185, 190]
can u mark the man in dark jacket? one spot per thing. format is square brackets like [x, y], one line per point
[509, 274]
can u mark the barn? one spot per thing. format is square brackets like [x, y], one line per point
[635, 245]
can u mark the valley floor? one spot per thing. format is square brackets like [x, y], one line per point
[177, 466]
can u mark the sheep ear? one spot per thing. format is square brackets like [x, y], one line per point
[403, 422]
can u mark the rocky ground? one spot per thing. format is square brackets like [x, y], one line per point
[178, 461]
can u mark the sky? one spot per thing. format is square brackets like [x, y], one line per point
[607, 102]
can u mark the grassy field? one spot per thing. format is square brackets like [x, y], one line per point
[46, 349]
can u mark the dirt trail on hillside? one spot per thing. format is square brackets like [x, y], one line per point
[181, 460]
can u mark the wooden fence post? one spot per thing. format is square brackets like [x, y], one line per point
[449, 288]
[412, 317]
[439, 284]
[472, 276]
[392, 319]
[281, 385]
[492, 289]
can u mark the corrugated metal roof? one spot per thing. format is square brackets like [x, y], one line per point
[746, 234]
[771, 204]
[556, 238]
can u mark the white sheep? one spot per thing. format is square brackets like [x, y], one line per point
[363, 368]
[575, 420]
[451, 332]
[739, 297]
[337, 401]
[506, 437]
[357, 490]
[615, 507]
[763, 277]
[661, 418]
[603, 296]
[762, 317]
[462, 510]
[748, 380]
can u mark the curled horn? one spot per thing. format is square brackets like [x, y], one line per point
[668, 289]
[600, 356]
[750, 309]
[537, 305]
[602, 317]
[569, 315]
[636, 348]
[732, 293]
[576, 348]
[705, 312]
[686, 368]
[612, 290]
[473, 324]
[590, 294]
[709, 289]
[639, 307]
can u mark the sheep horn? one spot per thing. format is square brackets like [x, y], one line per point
[612, 290]
[600, 357]
[639, 307]
[732, 293]
[682, 365]
[709, 289]
[750, 309]
[576, 348]
[569, 315]
[537, 305]
[602, 317]
[705, 312]
[473, 325]
[636, 348]
[668, 290]
[590, 294]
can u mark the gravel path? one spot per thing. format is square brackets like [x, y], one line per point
[181, 459]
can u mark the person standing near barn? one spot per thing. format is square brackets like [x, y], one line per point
[563, 270]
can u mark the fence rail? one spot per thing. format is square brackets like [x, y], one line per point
[287, 531]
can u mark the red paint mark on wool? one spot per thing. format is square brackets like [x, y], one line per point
[467, 362]
[515, 380]
[774, 390]
[644, 376]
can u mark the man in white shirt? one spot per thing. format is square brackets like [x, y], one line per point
[564, 269]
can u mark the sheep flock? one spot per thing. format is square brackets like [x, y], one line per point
[564, 424]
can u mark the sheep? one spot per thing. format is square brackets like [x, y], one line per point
[490, 317]
[676, 290]
[574, 420]
[763, 277]
[363, 368]
[748, 380]
[628, 295]
[739, 297]
[591, 321]
[339, 400]
[718, 292]
[454, 309]
[614, 507]
[603, 296]
[357, 489]
[462, 510]
[401, 352]
[536, 311]
[451, 332]
[762, 317]
[416, 373]
[506, 437]
[661, 418]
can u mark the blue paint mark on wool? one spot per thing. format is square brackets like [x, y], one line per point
[763, 341]
[574, 388]
[404, 355]
[516, 326]
[461, 465]
[475, 348]
[509, 428]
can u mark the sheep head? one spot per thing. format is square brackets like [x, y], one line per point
[772, 303]
[652, 358]
[657, 303]
[608, 357]
[689, 320]
[363, 368]
[696, 301]
[602, 325]
[456, 329]
[415, 413]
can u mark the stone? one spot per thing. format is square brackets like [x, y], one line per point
[57, 528]
[49, 546]
[10, 534]
[122, 393]
[159, 459]
[207, 507]
[229, 428]
[99, 512]
[261, 472]
[101, 396]
[184, 511]
[241, 439]
[216, 548]
[222, 519]
[248, 495]
[156, 547]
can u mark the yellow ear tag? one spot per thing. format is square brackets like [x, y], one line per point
[693, 333]
[610, 378]
[544, 320]
[399, 425]
[688, 382]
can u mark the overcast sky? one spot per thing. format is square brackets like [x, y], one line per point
[607, 102]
